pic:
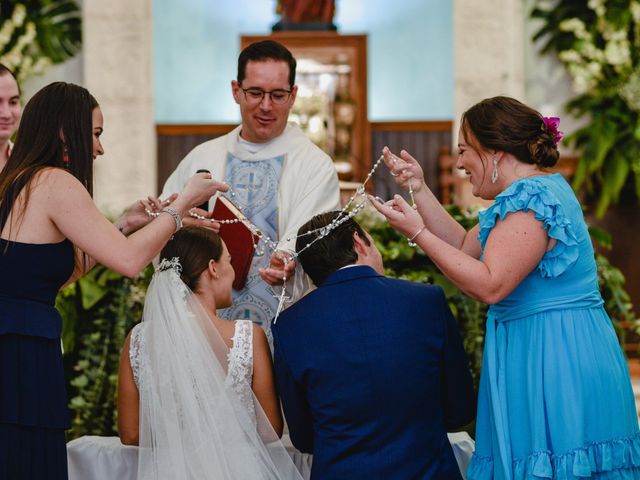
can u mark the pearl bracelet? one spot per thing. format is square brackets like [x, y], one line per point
[176, 216]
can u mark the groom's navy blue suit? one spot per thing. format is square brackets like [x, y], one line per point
[372, 373]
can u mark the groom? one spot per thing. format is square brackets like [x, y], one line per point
[371, 370]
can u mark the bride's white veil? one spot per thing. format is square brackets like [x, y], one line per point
[191, 425]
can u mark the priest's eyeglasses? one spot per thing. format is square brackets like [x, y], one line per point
[255, 95]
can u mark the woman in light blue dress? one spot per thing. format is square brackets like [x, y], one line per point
[555, 396]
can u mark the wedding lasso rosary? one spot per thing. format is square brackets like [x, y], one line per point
[269, 244]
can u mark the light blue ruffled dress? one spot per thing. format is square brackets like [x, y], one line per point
[555, 394]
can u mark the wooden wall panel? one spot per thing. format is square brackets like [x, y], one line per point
[175, 141]
[423, 140]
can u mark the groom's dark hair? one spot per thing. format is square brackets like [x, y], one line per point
[333, 251]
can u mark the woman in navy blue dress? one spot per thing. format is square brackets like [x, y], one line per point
[50, 234]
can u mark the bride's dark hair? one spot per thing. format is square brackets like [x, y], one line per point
[194, 247]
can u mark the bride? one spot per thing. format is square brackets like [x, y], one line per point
[197, 393]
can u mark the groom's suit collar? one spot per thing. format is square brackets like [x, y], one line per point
[350, 273]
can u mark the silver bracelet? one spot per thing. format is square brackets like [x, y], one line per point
[410, 241]
[417, 233]
[176, 216]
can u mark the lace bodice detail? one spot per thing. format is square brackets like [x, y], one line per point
[239, 362]
[134, 352]
[240, 365]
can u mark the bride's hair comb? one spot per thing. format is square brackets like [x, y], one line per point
[166, 264]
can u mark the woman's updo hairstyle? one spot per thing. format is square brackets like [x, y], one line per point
[505, 124]
[194, 247]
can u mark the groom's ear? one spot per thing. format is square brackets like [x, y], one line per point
[359, 246]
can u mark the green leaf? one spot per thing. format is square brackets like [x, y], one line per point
[111, 275]
[77, 402]
[69, 314]
[92, 292]
[601, 237]
[449, 288]
[80, 382]
[603, 201]
[615, 174]
[83, 364]
[600, 143]
[580, 175]
[58, 26]
[59, 29]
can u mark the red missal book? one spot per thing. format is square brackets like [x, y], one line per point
[239, 239]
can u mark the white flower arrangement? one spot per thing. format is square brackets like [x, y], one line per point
[587, 62]
[597, 6]
[599, 45]
[15, 21]
[577, 27]
[630, 91]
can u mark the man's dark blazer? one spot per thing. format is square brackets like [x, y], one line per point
[372, 373]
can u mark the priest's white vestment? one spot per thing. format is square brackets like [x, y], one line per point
[280, 187]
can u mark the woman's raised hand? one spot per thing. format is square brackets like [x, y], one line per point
[200, 188]
[405, 170]
[400, 215]
[137, 215]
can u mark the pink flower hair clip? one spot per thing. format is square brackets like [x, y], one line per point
[551, 125]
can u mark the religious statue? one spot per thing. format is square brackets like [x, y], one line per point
[305, 15]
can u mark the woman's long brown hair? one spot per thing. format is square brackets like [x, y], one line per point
[59, 114]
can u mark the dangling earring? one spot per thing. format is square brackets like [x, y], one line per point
[494, 173]
[65, 155]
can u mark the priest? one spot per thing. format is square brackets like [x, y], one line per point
[277, 176]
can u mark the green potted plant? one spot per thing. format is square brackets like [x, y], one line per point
[37, 33]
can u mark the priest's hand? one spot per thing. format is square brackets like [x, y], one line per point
[198, 217]
[281, 265]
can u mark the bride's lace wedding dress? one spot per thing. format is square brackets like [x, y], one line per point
[239, 363]
[199, 418]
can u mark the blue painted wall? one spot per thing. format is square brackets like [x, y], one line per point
[197, 42]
